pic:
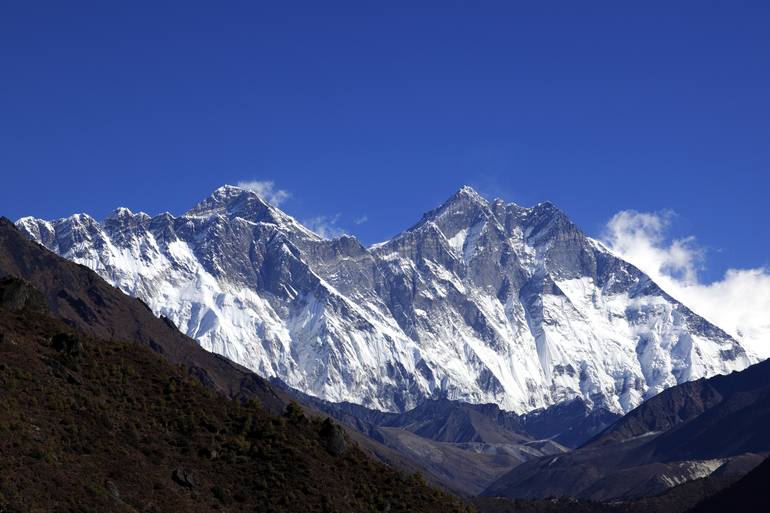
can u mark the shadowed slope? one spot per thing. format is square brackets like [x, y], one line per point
[105, 425]
[715, 426]
[748, 494]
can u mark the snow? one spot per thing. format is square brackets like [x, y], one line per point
[686, 471]
[407, 319]
[458, 241]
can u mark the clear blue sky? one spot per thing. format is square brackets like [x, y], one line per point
[369, 108]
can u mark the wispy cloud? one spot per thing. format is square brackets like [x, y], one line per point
[325, 226]
[738, 303]
[266, 190]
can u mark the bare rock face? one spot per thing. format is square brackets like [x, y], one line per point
[183, 477]
[483, 302]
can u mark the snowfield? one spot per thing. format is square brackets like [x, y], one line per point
[479, 301]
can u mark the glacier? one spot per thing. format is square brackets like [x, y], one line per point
[480, 301]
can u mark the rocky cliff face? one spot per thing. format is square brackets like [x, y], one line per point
[480, 301]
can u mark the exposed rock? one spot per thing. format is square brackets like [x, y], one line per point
[183, 477]
[112, 489]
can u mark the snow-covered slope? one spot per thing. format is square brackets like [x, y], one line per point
[479, 301]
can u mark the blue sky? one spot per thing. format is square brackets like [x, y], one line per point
[380, 110]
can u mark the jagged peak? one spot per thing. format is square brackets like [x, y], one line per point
[165, 215]
[123, 213]
[468, 192]
[466, 199]
[230, 200]
[466, 196]
[228, 188]
[546, 205]
[548, 209]
[80, 218]
[27, 221]
[228, 191]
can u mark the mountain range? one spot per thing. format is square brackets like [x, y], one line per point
[480, 301]
[676, 448]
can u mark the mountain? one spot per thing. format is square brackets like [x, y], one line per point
[465, 446]
[748, 494]
[569, 423]
[89, 424]
[468, 446]
[711, 427]
[483, 302]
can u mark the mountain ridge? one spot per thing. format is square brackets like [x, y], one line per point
[704, 428]
[479, 301]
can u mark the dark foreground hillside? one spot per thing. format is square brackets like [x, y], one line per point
[747, 495]
[679, 499]
[92, 425]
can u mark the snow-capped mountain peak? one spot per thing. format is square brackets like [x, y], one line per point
[232, 201]
[121, 213]
[479, 301]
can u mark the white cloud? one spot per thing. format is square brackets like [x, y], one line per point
[361, 220]
[739, 303]
[267, 190]
[325, 226]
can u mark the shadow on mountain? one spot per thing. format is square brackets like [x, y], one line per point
[468, 446]
[713, 427]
